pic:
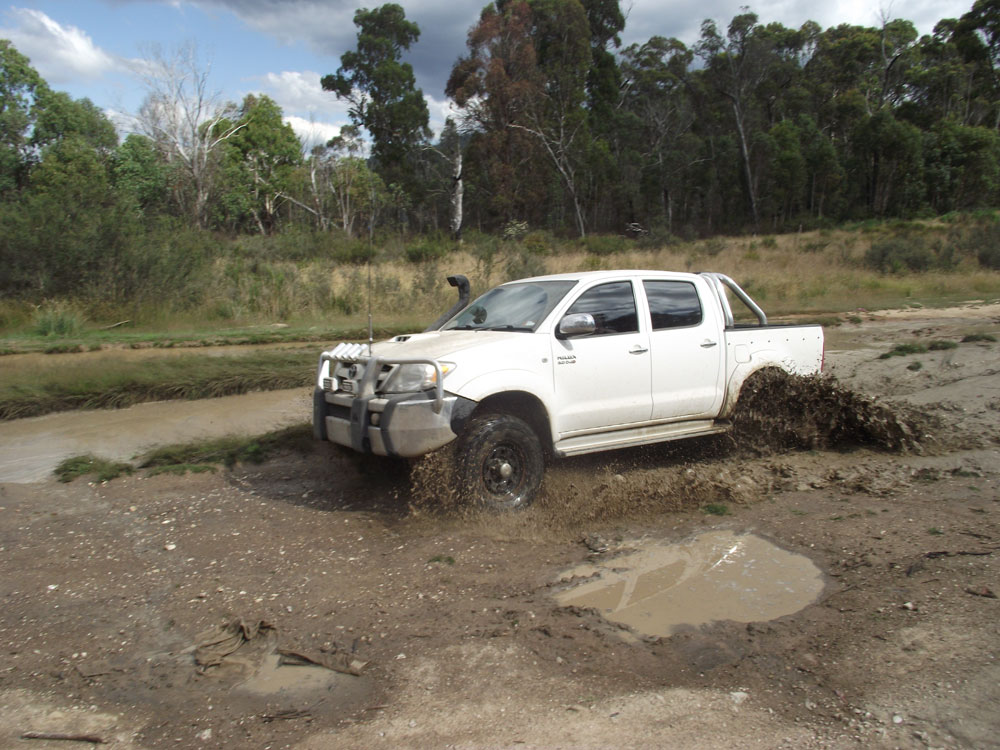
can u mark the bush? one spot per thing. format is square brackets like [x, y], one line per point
[432, 248]
[909, 253]
[604, 244]
[986, 240]
[538, 242]
[353, 252]
[57, 319]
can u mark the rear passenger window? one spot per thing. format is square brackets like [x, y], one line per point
[613, 308]
[672, 304]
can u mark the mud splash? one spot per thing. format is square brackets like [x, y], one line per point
[659, 589]
[777, 411]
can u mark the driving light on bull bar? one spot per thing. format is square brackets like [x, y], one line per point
[411, 378]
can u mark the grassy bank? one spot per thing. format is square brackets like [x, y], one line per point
[195, 457]
[251, 294]
[823, 275]
[61, 383]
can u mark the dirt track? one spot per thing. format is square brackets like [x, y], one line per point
[106, 590]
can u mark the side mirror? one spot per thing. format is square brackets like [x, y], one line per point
[577, 324]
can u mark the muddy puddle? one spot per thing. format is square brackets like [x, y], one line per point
[31, 448]
[301, 688]
[659, 588]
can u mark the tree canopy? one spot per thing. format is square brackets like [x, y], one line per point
[752, 127]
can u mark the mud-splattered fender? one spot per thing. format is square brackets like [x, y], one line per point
[518, 382]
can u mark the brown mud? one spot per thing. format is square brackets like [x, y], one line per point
[106, 589]
[777, 412]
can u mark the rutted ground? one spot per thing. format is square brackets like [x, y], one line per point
[108, 590]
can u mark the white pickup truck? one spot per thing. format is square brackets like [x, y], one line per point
[555, 366]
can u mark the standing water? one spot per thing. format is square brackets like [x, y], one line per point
[31, 448]
[659, 588]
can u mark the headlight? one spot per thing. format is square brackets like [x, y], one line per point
[411, 378]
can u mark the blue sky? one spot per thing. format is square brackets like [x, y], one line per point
[281, 48]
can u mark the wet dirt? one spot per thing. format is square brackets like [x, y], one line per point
[105, 588]
[659, 589]
[777, 412]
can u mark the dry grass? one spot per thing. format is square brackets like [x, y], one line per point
[811, 272]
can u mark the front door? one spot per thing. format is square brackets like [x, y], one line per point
[603, 380]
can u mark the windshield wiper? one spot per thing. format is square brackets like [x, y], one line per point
[509, 328]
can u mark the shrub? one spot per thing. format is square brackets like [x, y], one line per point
[940, 345]
[713, 246]
[604, 244]
[56, 319]
[538, 242]
[909, 252]
[902, 350]
[429, 249]
[984, 240]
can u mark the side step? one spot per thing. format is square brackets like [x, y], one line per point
[646, 435]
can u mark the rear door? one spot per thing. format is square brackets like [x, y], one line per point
[603, 380]
[687, 350]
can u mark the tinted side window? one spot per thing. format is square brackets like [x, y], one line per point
[672, 304]
[613, 308]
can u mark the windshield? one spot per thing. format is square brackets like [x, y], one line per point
[511, 307]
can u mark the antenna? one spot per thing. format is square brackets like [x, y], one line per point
[371, 254]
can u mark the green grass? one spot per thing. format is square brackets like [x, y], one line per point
[978, 337]
[904, 350]
[941, 345]
[80, 466]
[229, 451]
[195, 457]
[446, 559]
[716, 509]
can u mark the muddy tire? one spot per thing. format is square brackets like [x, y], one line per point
[499, 462]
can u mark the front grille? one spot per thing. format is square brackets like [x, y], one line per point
[338, 411]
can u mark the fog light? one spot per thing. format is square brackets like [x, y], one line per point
[375, 418]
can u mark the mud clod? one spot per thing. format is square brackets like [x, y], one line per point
[777, 411]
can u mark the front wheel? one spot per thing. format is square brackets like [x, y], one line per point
[500, 462]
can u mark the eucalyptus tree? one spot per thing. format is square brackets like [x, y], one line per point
[381, 89]
[20, 90]
[655, 92]
[258, 162]
[184, 117]
[527, 70]
[977, 37]
[493, 85]
[736, 65]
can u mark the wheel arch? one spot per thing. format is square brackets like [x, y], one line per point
[523, 405]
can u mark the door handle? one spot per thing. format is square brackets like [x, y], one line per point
[706, 344]
[637, 349]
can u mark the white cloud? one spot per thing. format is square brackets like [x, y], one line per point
[439, 111]
[301, 93]
[312, 132]
[61, 54]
